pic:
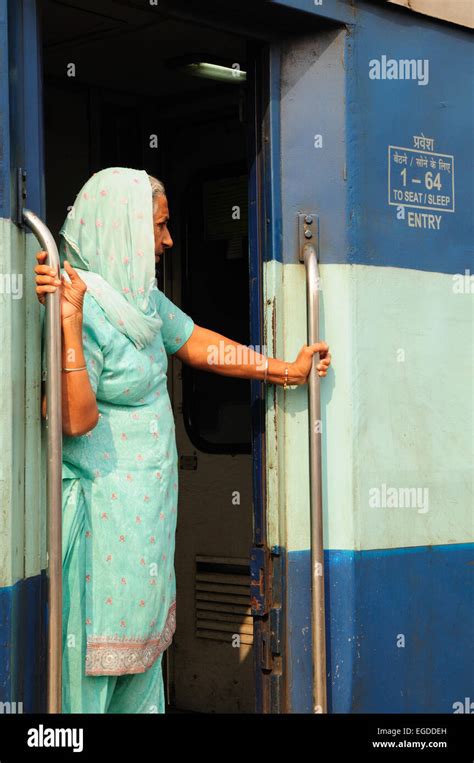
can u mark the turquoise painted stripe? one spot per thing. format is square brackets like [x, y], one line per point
[397, 408]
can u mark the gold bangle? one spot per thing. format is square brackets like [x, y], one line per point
[285, 385]
[82, 368]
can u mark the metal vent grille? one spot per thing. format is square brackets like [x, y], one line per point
[222, 599]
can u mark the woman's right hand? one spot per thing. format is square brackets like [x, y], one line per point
[72, 293]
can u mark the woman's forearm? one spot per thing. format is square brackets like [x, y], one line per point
[210, 351]
[79, 405]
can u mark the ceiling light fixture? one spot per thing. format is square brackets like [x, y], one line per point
[215, 72]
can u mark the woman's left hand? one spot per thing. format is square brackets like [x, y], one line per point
[301, 368]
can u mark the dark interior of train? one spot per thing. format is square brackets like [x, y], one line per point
[120, 90]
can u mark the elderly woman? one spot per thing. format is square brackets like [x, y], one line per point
[120, 479]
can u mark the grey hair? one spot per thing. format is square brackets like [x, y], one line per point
[157, 188]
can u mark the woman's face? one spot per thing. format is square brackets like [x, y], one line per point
[163, 239]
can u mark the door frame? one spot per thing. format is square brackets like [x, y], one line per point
[20, 28]
[22, 663]
[267, 578]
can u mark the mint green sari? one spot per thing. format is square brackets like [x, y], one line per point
[120, 480]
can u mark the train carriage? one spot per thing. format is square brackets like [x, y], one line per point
[285, 130]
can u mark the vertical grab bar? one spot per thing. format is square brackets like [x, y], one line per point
[54, 473]
[308, 253]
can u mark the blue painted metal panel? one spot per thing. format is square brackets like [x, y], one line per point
[373, 597]
[335, 10]
[33, 124]
[384, 112]
[272, 168]
[23, 643]
[25, 99]
[6, 642]
[22, 606]
[4, 113]
[374, 600]
[330, 92]
[312, 109]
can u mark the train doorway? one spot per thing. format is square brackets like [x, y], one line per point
[118, 91]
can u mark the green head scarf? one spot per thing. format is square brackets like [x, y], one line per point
[108, 237]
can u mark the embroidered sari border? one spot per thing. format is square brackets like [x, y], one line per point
[115, 656]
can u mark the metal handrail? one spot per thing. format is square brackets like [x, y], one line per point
[309, 255]
[54, 472]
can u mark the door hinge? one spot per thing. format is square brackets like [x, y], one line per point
[275, 630]
[266, 577]
[258, 586]
[20, 196]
